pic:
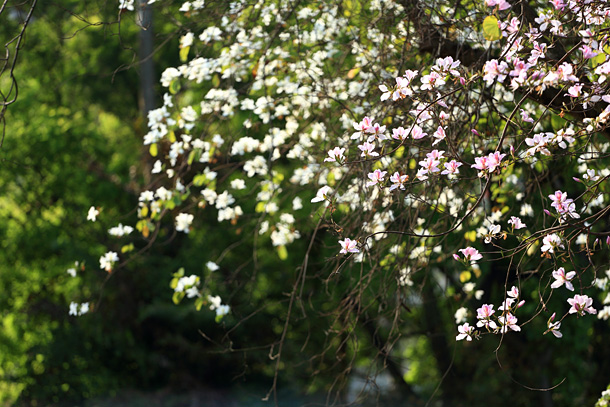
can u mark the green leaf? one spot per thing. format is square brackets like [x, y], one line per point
[153, 150]
[174, 86]
[127, 248]
[491, 30]
[198, 303]
[191, 157]
[198, 180]
[184, 54]
[557, 122]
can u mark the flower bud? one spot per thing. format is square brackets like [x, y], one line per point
[455, 256]
[462, 81]
[520, 303]
[547, 212]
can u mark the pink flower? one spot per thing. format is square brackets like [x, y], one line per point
[348, 246]
[516, 222]
[451, 168]
[525, 116]
[466, 331]
[471, 254]
[376, 131]
[362, 127]
[439, 135]
[502, 4]
[513, 293]
[507, 304]
[429, 165]
[432, 80]
[488, 164]
[435, 154]
[551, 242]
[581, 304]
[564, 206]
[398, 181]
[367, 150]
[335, 155]
[587, 52]
[494, 160]
[509, 322]
[400, 133]
[562, 278]
[480, 163]
[553, 327]
[376, 177]
[417, 133]
[484, 316]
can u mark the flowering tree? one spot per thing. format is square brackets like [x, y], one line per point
[407, 159]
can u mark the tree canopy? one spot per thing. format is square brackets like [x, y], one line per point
[326, 196]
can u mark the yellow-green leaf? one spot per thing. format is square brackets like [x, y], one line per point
[465, 276]
[153, 150]
[471, 236]
[177, 297]
[491, 30]
[184, 53]
[260, 207]
[282, 252]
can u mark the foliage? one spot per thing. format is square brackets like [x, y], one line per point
[346, 186]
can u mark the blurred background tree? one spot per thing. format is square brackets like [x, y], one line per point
[74, 139]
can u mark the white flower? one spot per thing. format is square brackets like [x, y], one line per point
[71, 271]
[108, 260]
[212, 266]
[126, 5]
[460, 315]
[84, 308]
[215, 302]
[73, 308]
[186, 40]
[297, 203]
[78, 309]
[92, 214]
[604, 313]
[222, 310]
[238, 184]
[120, 230]
[157, 167]
[526, 210]
[183, 221]
[322, 194]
